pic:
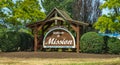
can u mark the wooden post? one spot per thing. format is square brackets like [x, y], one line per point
[35, 41]
[78, 39]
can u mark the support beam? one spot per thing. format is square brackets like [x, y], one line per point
[35, 40]
[74, 28]
[78, 39]
[48, 26]
[39, 27]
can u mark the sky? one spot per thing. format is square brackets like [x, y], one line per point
[41, 6]
[104, 11]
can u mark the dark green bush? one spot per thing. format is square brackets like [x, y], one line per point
[9, 41]
[26, 42]
[15, 41]
[114, 46]
[1, 35]
[91, 42]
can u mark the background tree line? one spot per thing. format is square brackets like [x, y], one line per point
[106, 24]
[15, 14]
[82, 10]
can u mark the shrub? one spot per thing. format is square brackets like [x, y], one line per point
[91, 42]
[26, 41]
[9, 41]
[15, 41]
[114, 45]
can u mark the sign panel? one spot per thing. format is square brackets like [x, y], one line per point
[58, 38]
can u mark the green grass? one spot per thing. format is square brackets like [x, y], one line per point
[115, 61]
[68, 61]
[90, 63]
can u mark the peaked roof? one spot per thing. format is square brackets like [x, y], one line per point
[61, 15]
[60, 12]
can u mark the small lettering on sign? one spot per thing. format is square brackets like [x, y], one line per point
[58, 32]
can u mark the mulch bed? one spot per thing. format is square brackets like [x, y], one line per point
[54, 55]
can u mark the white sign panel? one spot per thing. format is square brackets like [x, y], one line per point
[58, 38]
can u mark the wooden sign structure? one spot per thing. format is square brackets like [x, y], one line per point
[55, 31]
[59, 37]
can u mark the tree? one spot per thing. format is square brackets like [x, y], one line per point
[48, 5]
[111, 21]
[83, 10]
[20, 12]
[86, 10]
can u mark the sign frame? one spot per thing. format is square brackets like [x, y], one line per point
[59, 28]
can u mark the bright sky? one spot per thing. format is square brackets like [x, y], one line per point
[104, 11]
[41, 6]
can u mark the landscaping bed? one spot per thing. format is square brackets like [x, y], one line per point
[55, 55]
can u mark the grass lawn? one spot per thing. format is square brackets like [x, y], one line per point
[66, 61]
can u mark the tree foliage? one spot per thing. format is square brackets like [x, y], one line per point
[14, 15]
[83, 10]
[111, 21]
[61, 4]
[19, 12]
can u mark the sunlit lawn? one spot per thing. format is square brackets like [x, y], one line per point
[69, 61]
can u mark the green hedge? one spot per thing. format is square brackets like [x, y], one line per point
[91, 42]
[9, 41]
[15, 41]
[114, 46]
[26, 42]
